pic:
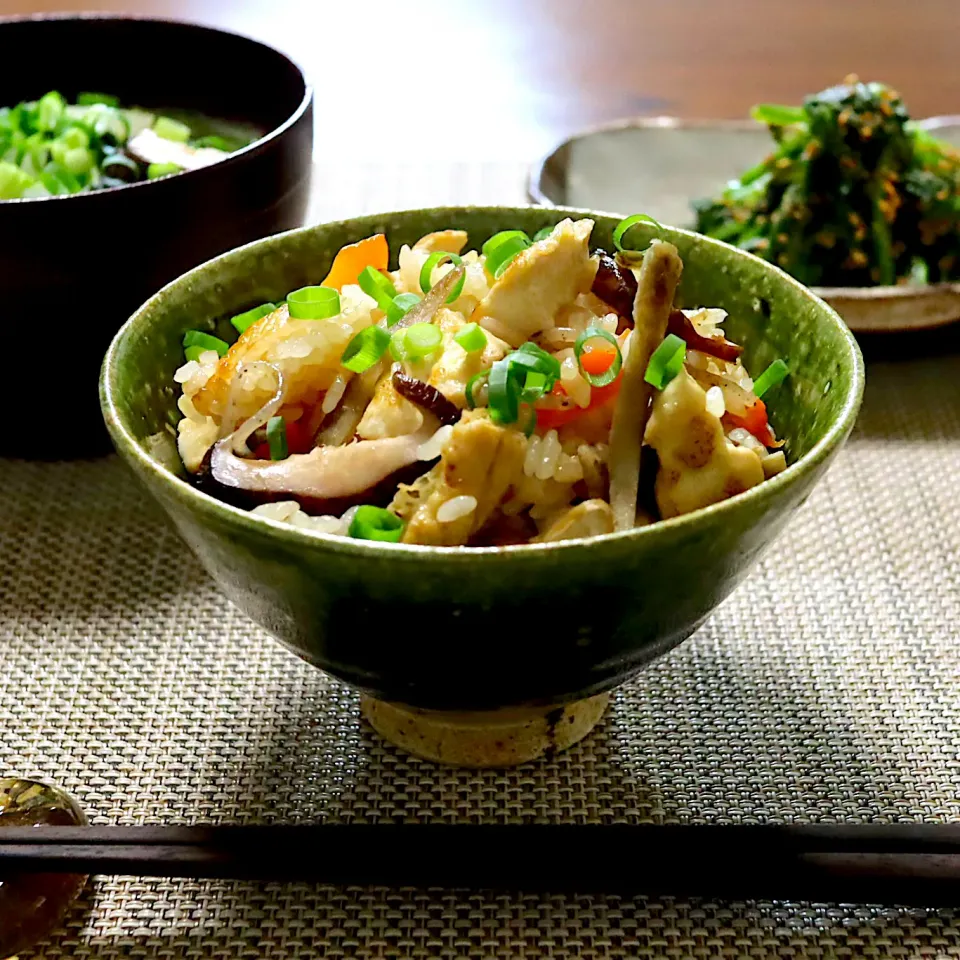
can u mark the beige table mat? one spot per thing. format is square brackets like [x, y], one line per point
[826, 688]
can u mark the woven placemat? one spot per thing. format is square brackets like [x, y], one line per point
[826, 688]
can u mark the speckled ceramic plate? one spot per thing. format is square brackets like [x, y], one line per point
[657, 165]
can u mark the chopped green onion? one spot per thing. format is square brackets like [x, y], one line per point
[771, 377]
[532, 357]
[161, 170]
[78, 160]
[277, 438]
[365, 349]
[624, 226]
[75, 137]
[219, 143]
[503, 236]
[397, 349]
[401, 305]
[89, 99]
[666, 362]
[313, 303]
[471, 338]
[474, 385]
[542, 234]
[49, 111]
[434, 260]
[610, 374]
[197, 338]
[374, 284]
[194, 353]
[504, 393]
[421, 340]
[171, 129]
[500, 250]
[121, 167]
[534, 387]
[243, 320]
[13, 181]
[375, 523]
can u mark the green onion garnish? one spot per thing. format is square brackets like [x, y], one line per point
[397, 350]
[771, 377]
[161, 170]
[531, 357]
[89, 99]
[666, 362]
[219, 143]
[171, 129]
[501, 248]
[277, 438]
[471, 338]
[243, 320]
[365, 349]
[624, 225]
[401, 305]
[542, 234]
[50, 109]
[502, 237]
[313, 303]
[375, 523]
[434, 260]
[374, 284]
[197, 338]
[421, 340]
[194, 353]
[504, 393]
[610, 374]
[534, 387]
[474, 385]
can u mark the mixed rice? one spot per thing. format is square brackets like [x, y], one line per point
[531, 391]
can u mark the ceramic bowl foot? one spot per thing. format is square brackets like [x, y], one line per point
[496, 738]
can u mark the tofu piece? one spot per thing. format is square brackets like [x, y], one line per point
[388, 414]
[588, 519]
[480, 460]
[455, 366]
[548, 275]
[698, 465]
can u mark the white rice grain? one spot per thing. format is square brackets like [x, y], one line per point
[609, 323]
[335, 394]
[432, 448]
[347, 519]
[188, 370]
[744, 438]
[321, 524]
[547, 455]
[568, 469]
[530, 461]
[282, 511]
[715, 402]
[456, 508]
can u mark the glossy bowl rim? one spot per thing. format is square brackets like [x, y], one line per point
[200, 502]
[258, 146]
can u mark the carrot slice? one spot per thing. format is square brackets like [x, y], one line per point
[597, 360]
[350, 262]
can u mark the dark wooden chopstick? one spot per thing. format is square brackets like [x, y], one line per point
[881, 863]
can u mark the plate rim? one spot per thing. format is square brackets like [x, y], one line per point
[898, 292]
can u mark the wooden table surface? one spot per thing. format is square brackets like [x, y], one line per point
[504, 79]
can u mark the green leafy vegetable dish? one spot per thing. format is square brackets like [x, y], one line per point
[855, 194]
[49, 147]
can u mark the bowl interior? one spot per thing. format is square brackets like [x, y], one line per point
[769, 313]
[359, 609]
[150, 63]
